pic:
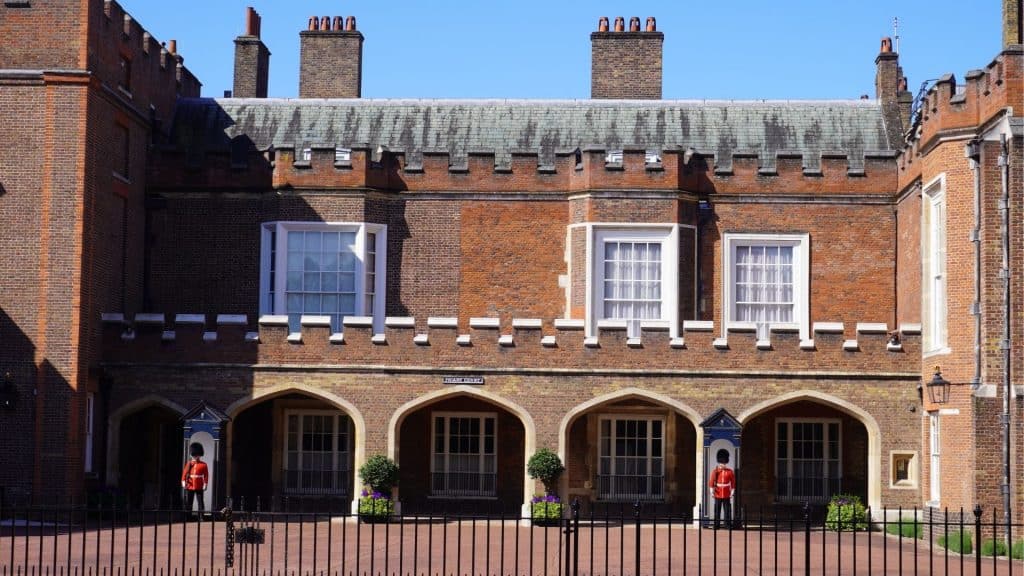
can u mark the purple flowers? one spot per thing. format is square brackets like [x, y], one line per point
[374, 495]
[550, 498]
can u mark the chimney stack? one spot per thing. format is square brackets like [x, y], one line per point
[892, 93]
[252, 60]
[626, 65]
[1013, 25]
[331, 59]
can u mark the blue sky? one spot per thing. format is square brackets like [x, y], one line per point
[734, 49]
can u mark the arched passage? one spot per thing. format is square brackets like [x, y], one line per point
[295, 441]
[807, 445]
[460, 445]
[632, 444]
[144, 451]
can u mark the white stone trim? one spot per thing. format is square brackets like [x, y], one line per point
[634, 342]
[807, 344]
[485, 323]
[252, 337]
[379, 339]
[188, 319]
[319, 321]
[677, 343]
[232, 319]
[910, 329]
[463, 340]
[209, 336]
[168, 335]
[764, 344]
[784, 327]
[149, 318]
[112, 318]
[273, 320]
[357, 321]
[294, 338]
[591, 342]
[721, 343]
[569, 324]
[611, 324]
[527, 323]
[548, 342]
[400, 322]
[872, 328]
[422, 339]
[506, 340]
[828, 328]
[336, 338]
[741, 327]
[698, 325]
[442, 322]
[851, 345]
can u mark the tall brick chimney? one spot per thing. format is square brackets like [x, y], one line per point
[891, 91]
[625, 64]
[252, 60]
[331, 59]
[1013, 25]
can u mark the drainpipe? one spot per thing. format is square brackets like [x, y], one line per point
[1004, 210]
[973, 153]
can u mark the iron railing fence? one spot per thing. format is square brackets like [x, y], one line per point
[43, 541]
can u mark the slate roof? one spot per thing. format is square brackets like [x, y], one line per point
[413, 126]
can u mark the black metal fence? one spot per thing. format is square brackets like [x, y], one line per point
[44, 541]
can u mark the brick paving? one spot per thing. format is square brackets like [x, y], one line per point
[343, 547]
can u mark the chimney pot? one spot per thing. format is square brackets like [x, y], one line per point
[651, 24]
[620, 24]
[250, 21]
[350, 24]
[325, 23]
[259, 25]
[314, 23]
[338, 22]
[903, 84]
[886, 45]
[634, 24]
[602, 24]
[172, 47]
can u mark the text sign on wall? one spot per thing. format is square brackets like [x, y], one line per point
[471, 380]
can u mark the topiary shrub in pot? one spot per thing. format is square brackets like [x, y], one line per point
[380, 475]
[547, 467]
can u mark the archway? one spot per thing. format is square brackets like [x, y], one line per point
[629, 445]
[807, 446]
[294, 444]
[462, 449]
[144, 452]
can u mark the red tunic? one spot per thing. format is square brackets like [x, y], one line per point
[195, 475]
[722, 482]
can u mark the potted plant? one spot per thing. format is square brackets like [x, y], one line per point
[380, 475]
[547, 467]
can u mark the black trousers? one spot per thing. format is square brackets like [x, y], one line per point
[190, 496]
[725, 503]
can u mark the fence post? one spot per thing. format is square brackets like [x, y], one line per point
[567, 523]
[229, 536]
[977, 536]
[576, 536]
[807, 538]
[636, 528]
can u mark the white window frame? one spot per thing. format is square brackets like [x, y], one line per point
[801, 244]
[612, 419]
[788, 473]
[934, 274]
[666, 234]
[280, 252]
[90, 423]
[934, 459]
[344, 474]
[482, 416]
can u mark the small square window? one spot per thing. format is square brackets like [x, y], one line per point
[903, 470]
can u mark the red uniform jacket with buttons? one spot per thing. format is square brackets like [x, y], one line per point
[195, 475]
[722, 482]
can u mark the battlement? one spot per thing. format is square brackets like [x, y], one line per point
[155, 73]
[868, 348]
[360, 165]
[949, 107]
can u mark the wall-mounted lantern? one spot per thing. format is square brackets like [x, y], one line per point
[938, 388]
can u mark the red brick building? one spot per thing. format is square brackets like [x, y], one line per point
[459, 283]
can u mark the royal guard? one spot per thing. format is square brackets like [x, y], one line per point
[194, 477]
[722, 484]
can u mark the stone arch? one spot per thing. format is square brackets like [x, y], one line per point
[632, 392]
[114, 428]
[529, 428]
[866, 419]
[264, 394]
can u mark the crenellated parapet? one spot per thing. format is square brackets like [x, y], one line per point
[950, 108]
[490, 344]
[326, 166]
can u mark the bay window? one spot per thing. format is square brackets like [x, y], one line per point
[323, 269]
